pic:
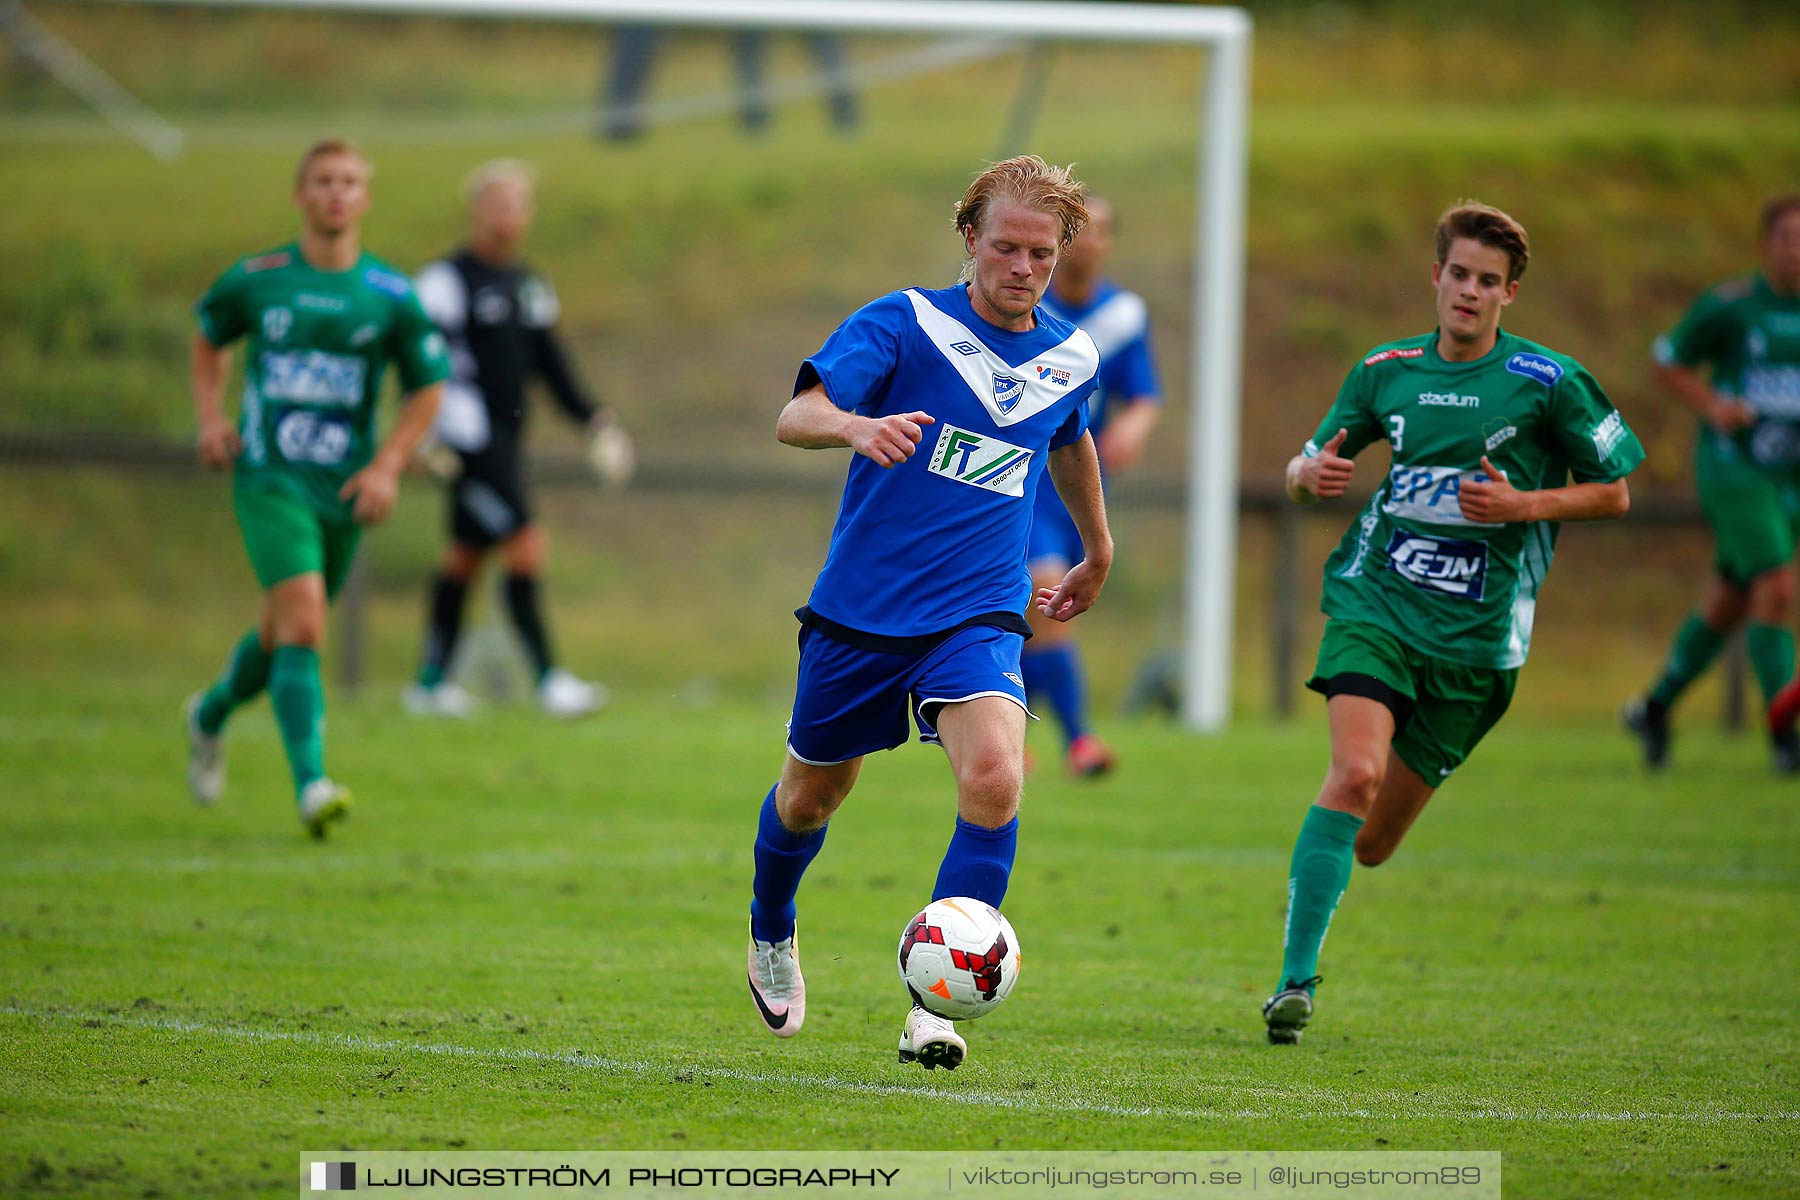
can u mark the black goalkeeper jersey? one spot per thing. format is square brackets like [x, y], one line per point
[500, 324]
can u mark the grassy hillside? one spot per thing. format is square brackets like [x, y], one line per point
[1635, 149]
[696, 266]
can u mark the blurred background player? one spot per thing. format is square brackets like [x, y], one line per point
[1735, 360]
[1122, 412]
[920, 605]
[323, 318]
[499, 316]
[1431, 592]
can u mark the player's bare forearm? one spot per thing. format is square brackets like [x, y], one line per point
[371, 492]
[1687, 385]
[1495, 501]
[1075, 470]
[1581, 502]
[812, 422]
[208, 367]
[417, 416]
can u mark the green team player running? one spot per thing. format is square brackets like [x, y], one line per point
[323, 318]
[1430, 594]
[1735, 360]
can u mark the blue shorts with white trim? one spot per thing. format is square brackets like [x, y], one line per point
[850, 701]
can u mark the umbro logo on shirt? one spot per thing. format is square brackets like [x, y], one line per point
[965, 348]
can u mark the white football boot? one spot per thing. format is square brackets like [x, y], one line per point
[563, 695]
[777, 985]
[444, 700]
[206, 756]
[931, 1041]
[321, 803]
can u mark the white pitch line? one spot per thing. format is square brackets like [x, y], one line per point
[1314, 1098]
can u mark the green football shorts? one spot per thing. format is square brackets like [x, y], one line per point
[1441, 709]
[1753, 513]
[286, 537]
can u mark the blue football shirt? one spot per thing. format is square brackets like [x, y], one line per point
[939, 540]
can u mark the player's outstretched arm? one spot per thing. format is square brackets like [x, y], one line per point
[1496, 501]
[375, 488]
[812, 422]
[1075, 470]
[208, 367]
[1323, 476]
[1724, 413]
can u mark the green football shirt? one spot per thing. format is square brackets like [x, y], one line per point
[1750, 338]
[1412, 564]
[318, 345]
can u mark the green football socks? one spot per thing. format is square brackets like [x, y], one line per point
[246, 674]
[1771, 651]
[1696, 645]
[1317, 877]
[299, 701]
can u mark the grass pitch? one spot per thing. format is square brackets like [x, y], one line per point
[531, 936]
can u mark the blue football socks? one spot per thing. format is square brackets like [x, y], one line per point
[978, 862]
[782, 857]
[1054, 673]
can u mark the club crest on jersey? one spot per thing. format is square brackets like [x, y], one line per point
[1008, 391]
[276, 322]
[980, 460]
[1535, 366]
[1453, 568]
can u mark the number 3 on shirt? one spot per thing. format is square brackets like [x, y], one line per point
[1397, 434]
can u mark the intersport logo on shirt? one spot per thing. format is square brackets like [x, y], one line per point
[980, 460]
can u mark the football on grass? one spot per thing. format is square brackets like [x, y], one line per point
[959, 958]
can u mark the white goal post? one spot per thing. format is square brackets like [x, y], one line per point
[1209, 576]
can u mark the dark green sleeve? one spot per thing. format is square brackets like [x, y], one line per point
[224, 311]
[420, 354]
[1350, 411]
[1588, 432]
[1702, 335]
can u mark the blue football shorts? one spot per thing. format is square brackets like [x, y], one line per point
[849, 702]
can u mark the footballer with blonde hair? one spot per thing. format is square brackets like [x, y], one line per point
[954, 402]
